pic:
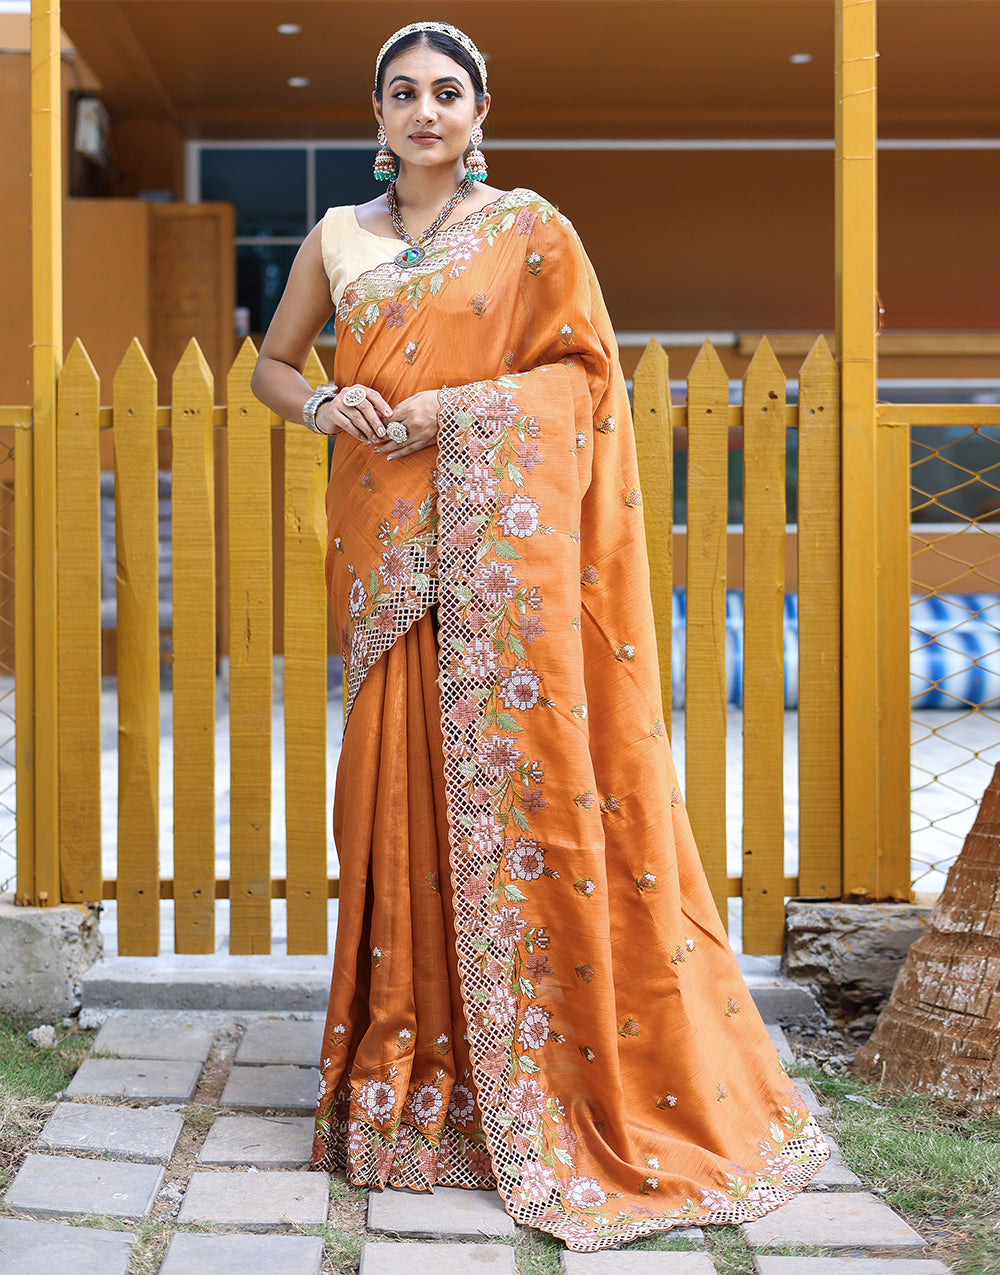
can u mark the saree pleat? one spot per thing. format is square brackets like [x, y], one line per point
[395, 1014]
[532, 988]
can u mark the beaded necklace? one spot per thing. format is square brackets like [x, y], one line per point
[416, 252]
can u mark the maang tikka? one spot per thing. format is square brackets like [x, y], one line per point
[385, 161]
[475, 161]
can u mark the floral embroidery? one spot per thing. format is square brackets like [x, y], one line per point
[675, 797]
[657, 730]
[607, 425]
[508, 359]
[732, 1007]
[526, 860]
[404, 1039]
[581, 442]
[394, 314]
[366, 482]
[338, 1034]
[585, 799]
[579, 710]
[519, 517]
[427, 1102]
[611, 805]
[478, 304]
[584, 1193]
[461, 1105]
[585, 887]
[537, 1182]
[377, 1098]
[721, 1093]
[589, 575]
[625, 652]
[442, 1044]
[525, 221]
[398, 593]
[646, 882]
[587, 1053]
[633, 499]
[534, 262]
[629, 1027]
[410, 351]
[585, 971]
[533, 1029]
[519, 688]
[404, 288]
[378, 956]
[668, 1100]
[566, 334]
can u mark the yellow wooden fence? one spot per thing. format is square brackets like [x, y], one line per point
[192, 420]
[135, 419]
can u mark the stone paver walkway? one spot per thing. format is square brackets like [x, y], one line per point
[229, 1174]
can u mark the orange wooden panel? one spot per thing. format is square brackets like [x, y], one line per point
[248, 456]
[763, 653]
[137, 545]
[193, 619]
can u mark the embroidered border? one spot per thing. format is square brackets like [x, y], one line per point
[491, 788]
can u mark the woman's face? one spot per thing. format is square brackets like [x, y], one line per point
[428, 107]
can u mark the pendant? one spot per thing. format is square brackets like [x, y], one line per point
[410, 256]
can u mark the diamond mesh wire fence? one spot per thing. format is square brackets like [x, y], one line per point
[955, 638]
[8, 834]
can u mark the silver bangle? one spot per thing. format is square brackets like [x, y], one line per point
[323, 394]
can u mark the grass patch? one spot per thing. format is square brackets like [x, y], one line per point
[30, 1078]
[536, 1253]
[196, 1115]
[730, 1252]
[936, 1160]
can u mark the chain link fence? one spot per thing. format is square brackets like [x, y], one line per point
[8, 824]
[955, 638]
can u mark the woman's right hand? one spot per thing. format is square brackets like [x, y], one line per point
[366, 422]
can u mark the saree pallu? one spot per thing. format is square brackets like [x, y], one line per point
[532, 988]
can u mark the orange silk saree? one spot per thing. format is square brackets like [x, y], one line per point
[532, 989]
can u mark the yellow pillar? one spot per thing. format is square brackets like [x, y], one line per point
[46, 282]
[857, 327]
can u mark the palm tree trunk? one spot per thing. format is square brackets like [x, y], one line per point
[940, 1031]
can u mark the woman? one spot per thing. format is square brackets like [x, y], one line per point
[531, 989]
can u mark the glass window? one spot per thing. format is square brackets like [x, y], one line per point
[261, 274]
[266, 186]
[344, 177]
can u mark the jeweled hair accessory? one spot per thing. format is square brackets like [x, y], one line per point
[445, 28]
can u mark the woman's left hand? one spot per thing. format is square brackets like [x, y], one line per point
[419, 413]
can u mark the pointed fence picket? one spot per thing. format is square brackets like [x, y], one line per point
[245, 536]
[78, 522]
[251, 659]
[305, 620]
[192, 521]
[705, 646]
[137, 603]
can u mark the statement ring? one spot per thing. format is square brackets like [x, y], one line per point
[397, 431]
[354, 396]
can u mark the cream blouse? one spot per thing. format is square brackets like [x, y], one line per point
[348, 249]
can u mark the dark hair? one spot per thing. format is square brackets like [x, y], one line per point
[436, 40]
